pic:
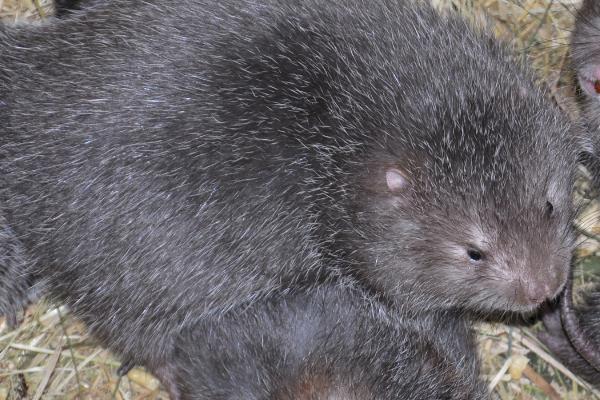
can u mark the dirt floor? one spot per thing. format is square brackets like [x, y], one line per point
[51, 356]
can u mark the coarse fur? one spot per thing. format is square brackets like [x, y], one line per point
[573, 333]
[330, 343]
[15, 282]
[163, 162]
[585, 56]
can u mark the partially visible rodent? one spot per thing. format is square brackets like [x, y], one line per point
[557, 340]
[162, 162]
[573, 333]
[585, 53]
[328, 343]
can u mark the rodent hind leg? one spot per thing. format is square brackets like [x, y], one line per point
[16, 288]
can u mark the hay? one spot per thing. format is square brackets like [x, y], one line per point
[51, 356]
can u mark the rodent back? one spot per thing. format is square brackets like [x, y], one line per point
[229, 149]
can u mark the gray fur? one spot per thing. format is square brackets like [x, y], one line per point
[585, 53]
[164, 162]
[330, 343]
[586, 62]
[15, 283]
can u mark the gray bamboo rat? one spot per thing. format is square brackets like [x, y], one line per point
[573, 333]
[164, 162]
[330, 342]
[585, 53]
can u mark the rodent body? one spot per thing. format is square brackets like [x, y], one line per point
[331, 342]
[16, 286]
[162, 163]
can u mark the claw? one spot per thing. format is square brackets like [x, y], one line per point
[125, 367]
[12, 321]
